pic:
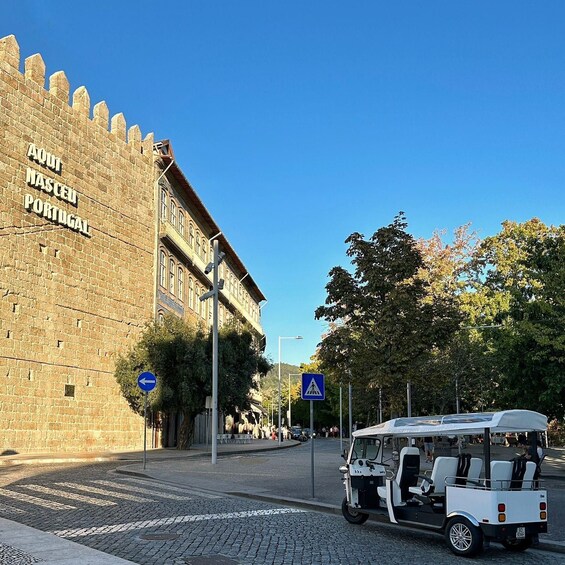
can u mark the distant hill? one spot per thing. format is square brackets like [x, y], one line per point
[271, 380]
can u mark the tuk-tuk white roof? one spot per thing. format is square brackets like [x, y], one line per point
[459, 424]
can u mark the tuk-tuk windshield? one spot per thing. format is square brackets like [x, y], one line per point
[366, 448]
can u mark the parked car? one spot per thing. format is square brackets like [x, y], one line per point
[297, 433]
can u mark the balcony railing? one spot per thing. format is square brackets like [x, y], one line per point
[167, 231]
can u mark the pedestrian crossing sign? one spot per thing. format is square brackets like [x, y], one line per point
[313, 387]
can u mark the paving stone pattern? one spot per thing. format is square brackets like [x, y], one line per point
[256, 533]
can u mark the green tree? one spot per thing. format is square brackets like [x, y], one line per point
[384, 325]
[524, 278]
[180, 355]
[240, 366]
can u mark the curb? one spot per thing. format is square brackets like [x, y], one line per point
[50, 460]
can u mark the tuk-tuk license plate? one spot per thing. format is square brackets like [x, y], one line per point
[520, 532]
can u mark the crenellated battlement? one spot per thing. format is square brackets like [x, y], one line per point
[59, 88]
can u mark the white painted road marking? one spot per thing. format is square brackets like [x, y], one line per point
[104, 492]
[34, 500]
[172, 488]
[118, 528]
[140, 490]
[65, 494]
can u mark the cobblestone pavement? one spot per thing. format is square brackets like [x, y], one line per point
[160, 524]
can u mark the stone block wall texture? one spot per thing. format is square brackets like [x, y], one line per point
[70, 303]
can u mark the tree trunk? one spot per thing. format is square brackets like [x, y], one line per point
[186, 431]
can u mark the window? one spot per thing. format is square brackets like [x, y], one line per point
[197, 243]
[173, 213]
[161, 317]
[197, 299]
[191, 293]
[181, 223]
[191, 235]
[181, 284]
[162, 268]
[221, 320]
[163, 204]
[204, 249]
[171, 276]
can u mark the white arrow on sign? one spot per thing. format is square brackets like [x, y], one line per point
[145, 380]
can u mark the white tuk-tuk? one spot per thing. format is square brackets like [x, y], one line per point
[471, 500]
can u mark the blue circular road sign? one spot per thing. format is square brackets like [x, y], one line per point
[147, 381]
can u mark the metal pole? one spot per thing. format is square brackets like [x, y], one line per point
[350, 417]
[279, 422]
[289, 408]
[215, 358]
[312, 443]
[145, 432]
[409, 399]
[340, 420]
[380, 405]
[206, 428]
[457, 394]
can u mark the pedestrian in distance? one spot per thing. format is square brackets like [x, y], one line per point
[429, 449]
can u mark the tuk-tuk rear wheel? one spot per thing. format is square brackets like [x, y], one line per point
[463, 538]
[352, 516]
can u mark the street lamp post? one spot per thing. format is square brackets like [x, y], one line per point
[281, 338]
[217, 285]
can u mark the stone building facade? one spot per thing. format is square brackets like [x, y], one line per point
[80, 241]
[186, 231]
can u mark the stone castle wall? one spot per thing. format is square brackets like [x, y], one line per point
[77, 240]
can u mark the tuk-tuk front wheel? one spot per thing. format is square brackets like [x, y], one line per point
[352, 516]
[463, 538]
[517, 544]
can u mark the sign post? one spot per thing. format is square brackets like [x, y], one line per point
[312, 389]
[146, 382]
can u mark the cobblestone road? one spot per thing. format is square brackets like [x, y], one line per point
[159, 524]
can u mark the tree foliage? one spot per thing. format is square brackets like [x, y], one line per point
[180, 355]
[524, 270]
[479, 324]
[385, 318]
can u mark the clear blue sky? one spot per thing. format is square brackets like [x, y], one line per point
[299, 122]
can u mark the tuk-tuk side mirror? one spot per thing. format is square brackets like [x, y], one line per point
[344, 454]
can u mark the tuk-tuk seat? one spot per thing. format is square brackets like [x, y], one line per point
[500, 475]
[475, 470]
[528, 482]
[468, 471]
[406, 476]
[435, 484]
